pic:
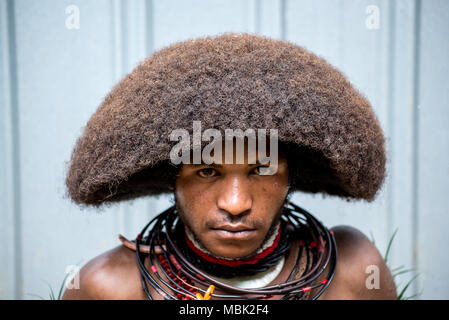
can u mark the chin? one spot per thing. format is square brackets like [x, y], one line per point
[232, 254]
[233, 251]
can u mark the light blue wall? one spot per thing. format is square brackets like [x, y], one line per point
[53, 78]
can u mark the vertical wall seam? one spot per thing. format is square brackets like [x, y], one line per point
[124, 49]
[149, 48]
[341, 27]
[117, 39]
[15, 150]
[415, 159]
[149, 28]
[7, 288]
[257, 16]
[124, 34]
[283, 19]
[390, 87]
[118, 58]
[116, 65]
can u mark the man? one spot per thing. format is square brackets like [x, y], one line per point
[232, 227]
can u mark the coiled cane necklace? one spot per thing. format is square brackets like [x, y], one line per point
[173, 276]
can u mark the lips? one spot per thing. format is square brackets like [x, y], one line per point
[233, 228]
[234, 232]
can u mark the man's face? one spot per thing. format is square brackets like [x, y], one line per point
[231, 207]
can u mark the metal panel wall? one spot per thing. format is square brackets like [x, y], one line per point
[52, 78]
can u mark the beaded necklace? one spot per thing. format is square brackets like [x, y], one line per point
[180, 274]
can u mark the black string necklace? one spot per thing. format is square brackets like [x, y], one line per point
[174, 275]
[228, 270]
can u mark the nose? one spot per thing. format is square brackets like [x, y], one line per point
[235, 197]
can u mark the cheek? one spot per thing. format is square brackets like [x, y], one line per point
[194, 202]
[275, 188]
[269, 197]
[191, 197]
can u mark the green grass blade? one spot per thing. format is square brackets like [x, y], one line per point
[403, 271]
[389, 245]
[397, 268]
[412, 296]
[372, 237]
[52, 294]
[62, 286]
[401, 295]
[35, 295]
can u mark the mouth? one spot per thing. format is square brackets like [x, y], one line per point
[238, 232]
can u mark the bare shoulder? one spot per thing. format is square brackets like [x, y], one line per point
[111, 275]
[361, 271]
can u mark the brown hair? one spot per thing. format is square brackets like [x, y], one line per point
[335, 142]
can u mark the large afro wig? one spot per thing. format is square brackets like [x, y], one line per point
[332, 137]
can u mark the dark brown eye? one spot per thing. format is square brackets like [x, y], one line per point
[207, 172]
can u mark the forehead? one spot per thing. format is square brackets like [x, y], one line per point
[240, 152]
